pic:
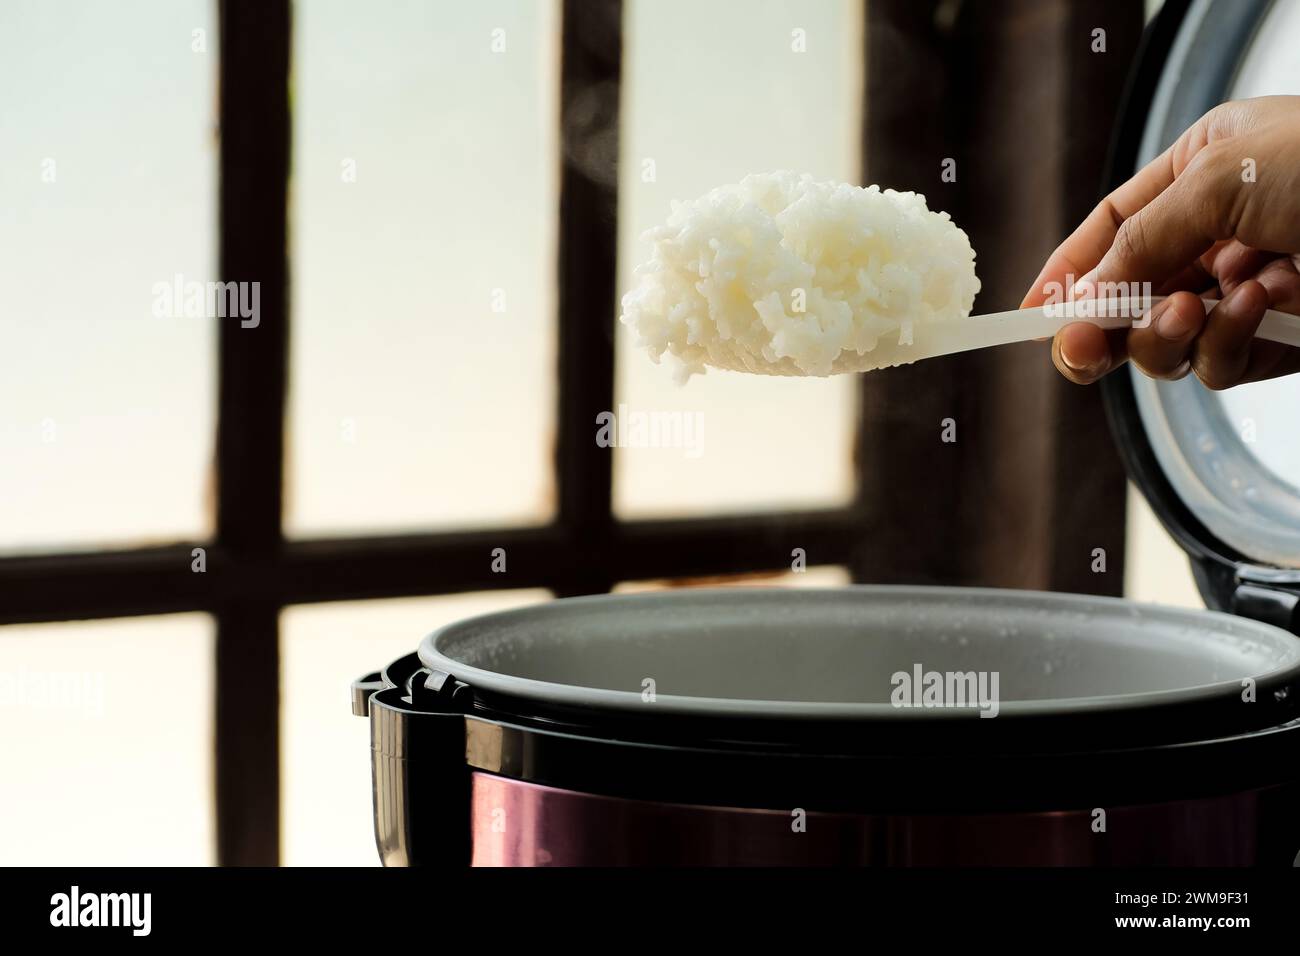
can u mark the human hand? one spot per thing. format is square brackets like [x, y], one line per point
[1217, 215]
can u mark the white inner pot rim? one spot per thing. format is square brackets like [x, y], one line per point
[836, 653]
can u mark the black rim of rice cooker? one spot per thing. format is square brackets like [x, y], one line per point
[1196, 47]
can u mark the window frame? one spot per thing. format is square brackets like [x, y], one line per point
[253, 571]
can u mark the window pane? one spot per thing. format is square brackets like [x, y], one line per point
[328, 816]
[108, 184]
[1156, 569]
[106, 732]
[709, 97]
[424, 205]
[822, 576]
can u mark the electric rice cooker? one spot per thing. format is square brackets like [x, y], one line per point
[907, 725]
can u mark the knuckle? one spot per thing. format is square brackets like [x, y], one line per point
[1211, 158]
[1216, 115]
[1129, 240]
[1209, 186]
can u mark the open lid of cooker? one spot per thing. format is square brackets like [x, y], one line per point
[1221, 469]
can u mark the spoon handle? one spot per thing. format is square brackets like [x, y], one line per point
[1001, 328]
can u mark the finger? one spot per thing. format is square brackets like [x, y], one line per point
[1085, 247]
[1232, 260]
[1232, 263]
[1195, 278]
[1176, 227]
[1282, 282]
[1221, 354]
[1161, 344]
[1084, 353]
[1271, 359]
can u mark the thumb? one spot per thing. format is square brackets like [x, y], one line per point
[1172, 231]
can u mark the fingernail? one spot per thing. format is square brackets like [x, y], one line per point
[1231, 300]
[1172, 324]
[1076, 366]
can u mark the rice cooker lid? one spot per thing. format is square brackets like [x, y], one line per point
[848, 667]
[1220, 469]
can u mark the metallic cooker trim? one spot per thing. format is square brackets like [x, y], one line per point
[523, 824]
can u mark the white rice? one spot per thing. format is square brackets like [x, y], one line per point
[781, 275]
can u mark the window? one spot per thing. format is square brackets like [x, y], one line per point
[87, 233]
[422, 391]
[105, 726]
[227, 517]
[697, 75]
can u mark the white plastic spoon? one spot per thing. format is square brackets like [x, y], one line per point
[1002, 328]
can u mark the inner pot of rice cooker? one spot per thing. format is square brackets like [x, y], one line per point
[908, 725]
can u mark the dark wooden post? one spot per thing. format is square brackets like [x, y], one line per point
[1015, 95]
[250, 422]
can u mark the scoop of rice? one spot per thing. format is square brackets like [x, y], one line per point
[781, 275]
